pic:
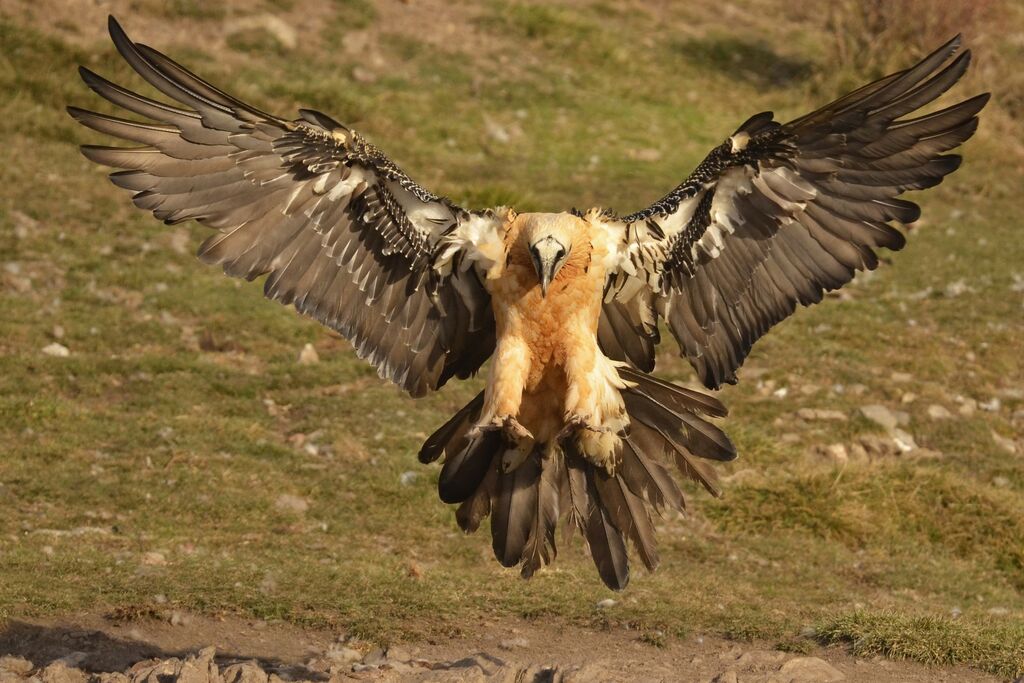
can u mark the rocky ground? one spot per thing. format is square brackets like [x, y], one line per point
[92, 649]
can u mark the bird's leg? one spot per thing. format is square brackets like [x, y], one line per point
[504, 393]
[594, 412]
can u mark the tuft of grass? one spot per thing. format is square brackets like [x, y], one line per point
[996, 648]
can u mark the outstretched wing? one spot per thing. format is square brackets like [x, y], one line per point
[779, 214]
[344, 234]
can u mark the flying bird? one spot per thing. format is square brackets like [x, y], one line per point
[571, 426]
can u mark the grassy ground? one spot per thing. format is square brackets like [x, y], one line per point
[152, 460]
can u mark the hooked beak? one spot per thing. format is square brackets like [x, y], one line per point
[548, 256]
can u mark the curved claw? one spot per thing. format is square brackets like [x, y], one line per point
[507, 424]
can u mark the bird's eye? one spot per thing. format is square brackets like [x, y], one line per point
[560, 254]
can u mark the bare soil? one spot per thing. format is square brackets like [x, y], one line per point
[495, 650]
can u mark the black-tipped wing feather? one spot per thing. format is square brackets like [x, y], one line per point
[342, 233]
[780, 213]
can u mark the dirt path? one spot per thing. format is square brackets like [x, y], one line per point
[230, 650]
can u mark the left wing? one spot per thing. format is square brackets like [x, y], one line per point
[344, 235]
[777, 215]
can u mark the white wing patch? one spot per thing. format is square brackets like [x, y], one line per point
[481, 238]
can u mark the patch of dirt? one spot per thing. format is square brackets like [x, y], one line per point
[232, 650]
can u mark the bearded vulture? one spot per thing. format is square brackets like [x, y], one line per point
[566, 306]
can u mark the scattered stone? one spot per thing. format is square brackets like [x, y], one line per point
[955, 612]
[877, 446]
[881, 416]
[360, 74]
[1003, 442]
[937, 412]
[1000, 482]
[374, 658]
[286, 502]
[408, 478]
[605, 604]
[956, 288]
[908, 397]
[59, 672]
[837, 453]
[179, 619]
[343, 655]
[807, 670]
[56, 350]
[819, 414]
[991, 406]
[902, 377]
[398, 654]
[903, 440]
[16, 665]
[57, 332]
[282, 32]
[998, 611]
[781, 392]
[308, 355]
[245, 672]
[154, 559]
[513, 643]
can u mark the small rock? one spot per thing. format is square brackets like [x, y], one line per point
[360, 74]
[57, 332]
[807, 670]
[605, 604]
[998, 611]
[837, 453]
[408, 478]
[937, 412]
[513, 643]
[56, 350]
[956, 288]
[58, 672]
[908, 397]
[782, 392]
[285, 34]
[1000, 482]
[902, 377]
[1006, 444]
[179, 619]
[344, 655]
[374, 658]
[729, 676]
[903, 440]
[991, 406]
[955, 612]
[154, 559]
[398, 654]
[308, 355]
[881, 416]
[16, 665]
[819, 414]
[286, 502]
[246, 672]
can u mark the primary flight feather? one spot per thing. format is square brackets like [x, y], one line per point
[571, 425]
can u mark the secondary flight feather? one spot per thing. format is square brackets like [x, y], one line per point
[571, 424]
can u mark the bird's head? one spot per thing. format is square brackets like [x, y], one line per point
[549, 239]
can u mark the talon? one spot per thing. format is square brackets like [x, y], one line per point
[575, 422]
[507, 424]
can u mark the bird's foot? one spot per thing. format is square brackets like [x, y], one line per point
[507, 424]
[575, 423]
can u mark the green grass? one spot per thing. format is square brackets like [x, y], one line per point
[144, 442]
[996, 648]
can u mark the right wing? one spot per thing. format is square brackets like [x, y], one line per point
[343, 233]
[777, 215]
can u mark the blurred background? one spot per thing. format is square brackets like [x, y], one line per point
[168, 446]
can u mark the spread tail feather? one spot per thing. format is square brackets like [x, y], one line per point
[558, 480]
